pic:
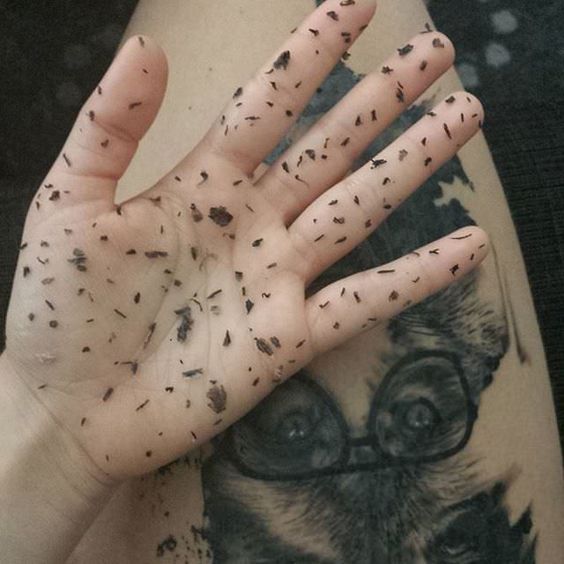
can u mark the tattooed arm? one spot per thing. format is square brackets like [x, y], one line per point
[498, 499]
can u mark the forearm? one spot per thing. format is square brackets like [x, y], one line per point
[47, 497]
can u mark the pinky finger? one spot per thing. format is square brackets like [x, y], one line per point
[343, 309]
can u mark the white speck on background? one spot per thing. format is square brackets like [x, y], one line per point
[504, 22]
[468, 75]
[497, 55]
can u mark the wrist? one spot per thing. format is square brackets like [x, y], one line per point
[49, 489]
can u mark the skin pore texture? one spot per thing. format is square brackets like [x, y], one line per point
[168, 316]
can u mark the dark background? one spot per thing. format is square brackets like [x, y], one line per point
[510, 54]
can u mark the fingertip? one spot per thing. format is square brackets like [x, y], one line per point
[368, 7]
[476, 241]
[476, 107]
[441, 41]
[481, 241]
[473, 230]
[372, 6]
[478, 232]
[149, 53]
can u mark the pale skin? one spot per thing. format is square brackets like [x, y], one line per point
[193, 365]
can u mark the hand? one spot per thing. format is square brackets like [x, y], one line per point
[146, 328]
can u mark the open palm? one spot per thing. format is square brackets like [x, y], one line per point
[146, 328]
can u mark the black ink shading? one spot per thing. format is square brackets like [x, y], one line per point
[167, 545]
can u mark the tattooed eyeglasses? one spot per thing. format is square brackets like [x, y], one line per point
[421, 413]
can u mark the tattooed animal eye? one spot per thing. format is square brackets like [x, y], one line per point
[293, 430]
[420, 416]
[293, 421]
[296, 427]
[423, 410]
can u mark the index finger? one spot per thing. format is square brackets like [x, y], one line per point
[265, 108]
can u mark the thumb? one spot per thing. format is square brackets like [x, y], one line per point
[111, 123]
